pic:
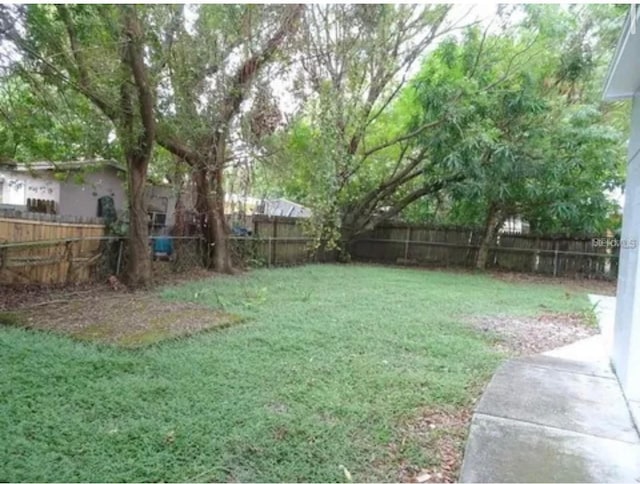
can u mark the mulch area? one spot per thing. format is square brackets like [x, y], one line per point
[25, 296]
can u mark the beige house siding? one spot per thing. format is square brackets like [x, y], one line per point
[72, 198]
[81, 200]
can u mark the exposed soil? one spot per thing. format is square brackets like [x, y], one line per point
[518, 336]
[124, 319]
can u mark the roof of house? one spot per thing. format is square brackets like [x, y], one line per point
[286, 208]
[61, 165]
[284, 201]
[623, 78]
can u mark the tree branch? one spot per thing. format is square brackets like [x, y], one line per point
[405, 137]
[417, 194]
[170, 143]
[250, 67]
[84, 81]
[135, 60]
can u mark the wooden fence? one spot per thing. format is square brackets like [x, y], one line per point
[278, 241]
[44, 251]
[40, 249]
[458, 246]
[47, 252]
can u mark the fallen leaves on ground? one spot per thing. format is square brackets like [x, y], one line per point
[441, 433]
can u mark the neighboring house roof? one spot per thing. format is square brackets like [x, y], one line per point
[285, 208]
[60, 165]
[623, 79]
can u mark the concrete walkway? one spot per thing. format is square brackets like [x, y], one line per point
[556, 417]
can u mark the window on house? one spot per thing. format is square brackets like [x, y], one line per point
[106, 207]
[157, 222]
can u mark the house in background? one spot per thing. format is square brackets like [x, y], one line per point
[81, 188]
[514, 225]
[66, 188]
[277, 207]
[78, 189]
[161, 202]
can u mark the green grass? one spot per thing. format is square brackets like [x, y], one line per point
[331, 360]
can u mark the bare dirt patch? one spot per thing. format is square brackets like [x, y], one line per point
[518, 336]
[126, 319]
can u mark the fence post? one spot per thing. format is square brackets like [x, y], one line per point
[536, 255]
[69, 257]
[406, 245]
[4, 257]
[119, 258]
[555, 258]
[274, 246]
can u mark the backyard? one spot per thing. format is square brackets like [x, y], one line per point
[315, 373]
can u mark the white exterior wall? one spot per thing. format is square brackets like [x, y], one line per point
[16, 187]
[626, 343]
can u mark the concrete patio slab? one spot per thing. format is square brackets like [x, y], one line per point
[597, 348]
[556, 417]
[554, 397]
[504, 450]
[602, 370]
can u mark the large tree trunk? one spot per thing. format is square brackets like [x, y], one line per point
[138, 271]
[204, 210]
[492, 224]
[210, 208]
[179, 229]
[138, 145]
[180, 223]
[222, 253]
[345, 245]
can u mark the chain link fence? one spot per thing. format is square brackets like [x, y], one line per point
[168, 254]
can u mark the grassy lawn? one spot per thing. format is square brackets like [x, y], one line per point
[327, 372]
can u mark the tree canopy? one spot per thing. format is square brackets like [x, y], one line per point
[400, 111]
[502, 119]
